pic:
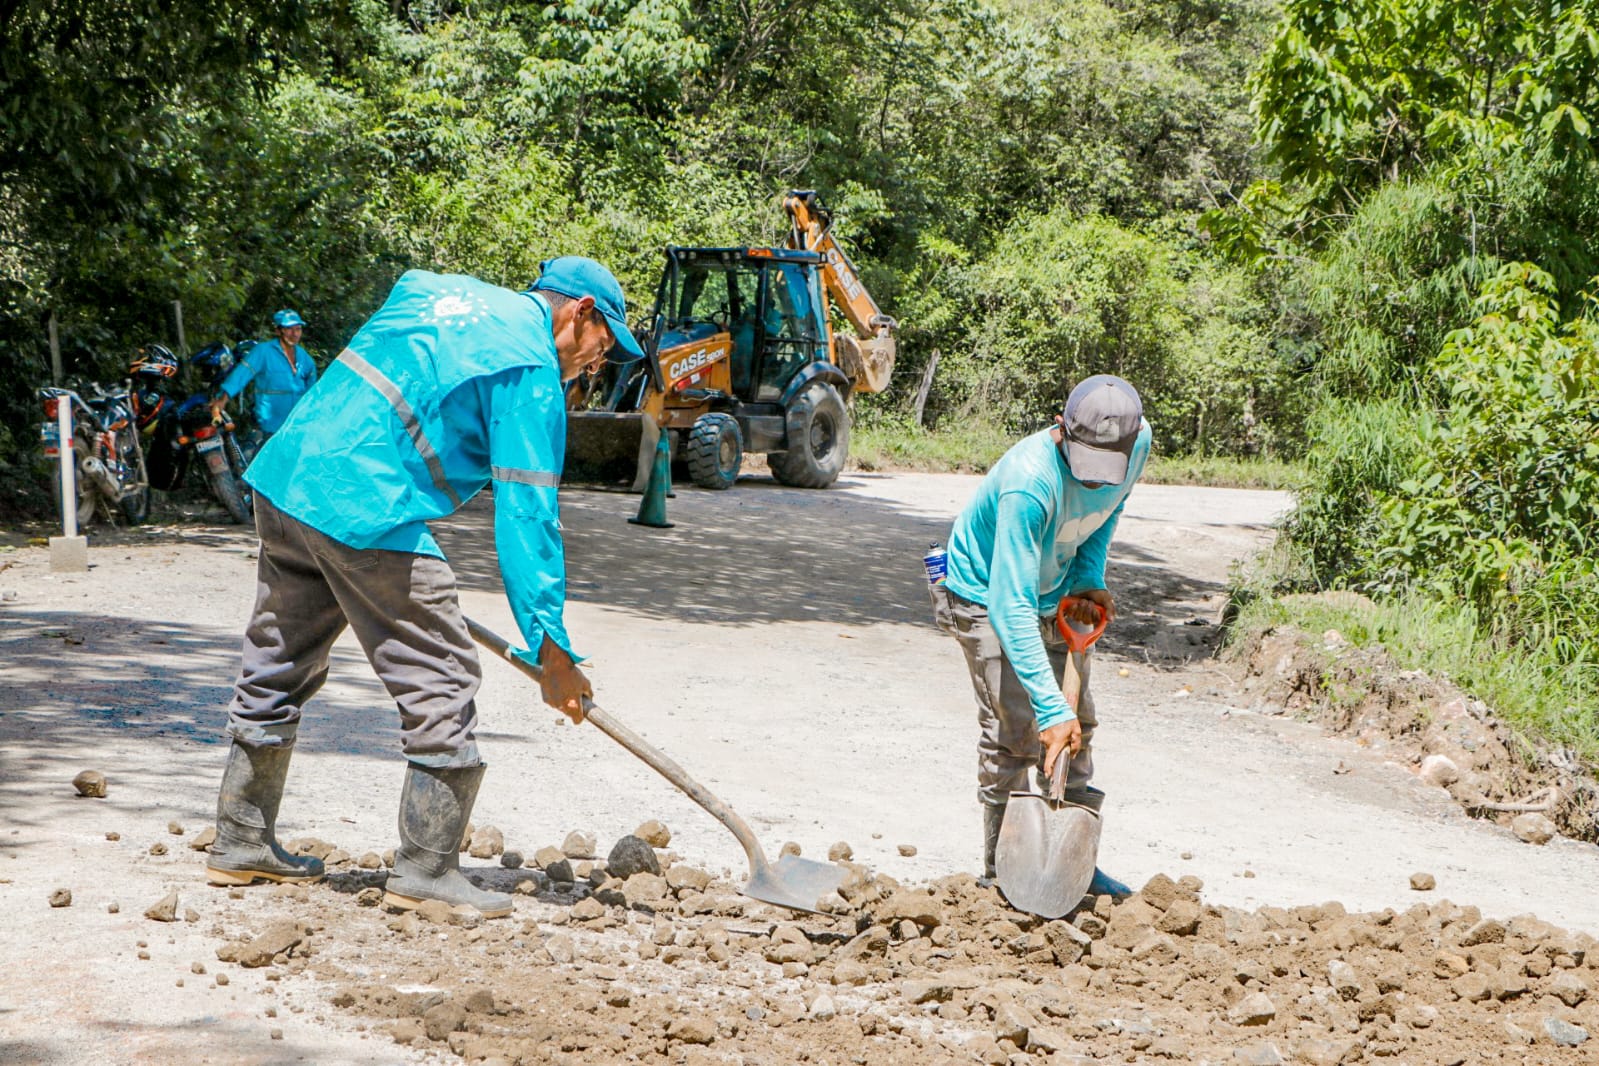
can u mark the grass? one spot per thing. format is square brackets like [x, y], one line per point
[1527, 686]
[976, 447]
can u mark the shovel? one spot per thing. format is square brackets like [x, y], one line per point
[794, 882]
[1047, 849]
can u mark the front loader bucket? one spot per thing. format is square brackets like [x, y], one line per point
[607, 448]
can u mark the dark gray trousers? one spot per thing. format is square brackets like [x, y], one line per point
[1007, 739]
[404, 611]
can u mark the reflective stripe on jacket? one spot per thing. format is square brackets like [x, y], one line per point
[454, 383]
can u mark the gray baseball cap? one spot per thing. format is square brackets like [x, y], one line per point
[1102, 420]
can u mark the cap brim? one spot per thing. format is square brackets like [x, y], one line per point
[626, 349]
[1095, 464]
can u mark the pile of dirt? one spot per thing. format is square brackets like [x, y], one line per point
[1453, 741]
[677, 967]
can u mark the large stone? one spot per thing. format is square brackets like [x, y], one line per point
[61, 897]
[1423, 882]
[907, 905]
[1487, 931]
[1439, 771]
[90, 783]
[164, 909]
[1181, 918]
[1563, 1033]
[926, 990]
[644, 889]
[632, 855]
[654, 833]
[279, 939]
[487, 842]
[204, 838]
[693, 1029]
[683, 878]
[1254, 1009]
[1568, 988]
[579, 845]
[442, 1019]
[1534, 828]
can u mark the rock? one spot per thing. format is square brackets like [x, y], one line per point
[1159, 892]
[1344, 980]
[546, 856]
[370, 896]
[693, 1029]
[1315, 1052]
[788, 848]
[62, 897]
[1259, 1055]
[434, 910]
[204, 838]
[1066, 942]
[1423, 882]
[175, 828]
[907, 850]
[644, 888]
[681, 878]
[1012, 1022]
[654, 834]
[1568, 988]
[486, 843]
[1181, 918]
[1534, 828]
[1439, 771]
[1042, 1040]
[164, 909]
[113, 907]
[511, 860]
[840, 852]
[113, 836]
[631, 855]
[442, 1019]
[1254, 1009]
[560, 948]
[1471, 987]
[279, 939]
[587, 910]
[560, 871]
[926, 990]
[406, 1031]
[823, 1007]
[577, 845]
[1487, 931]
[90, 783]
[158, 848]
[1563, 1033]
[370, 861]
[914, 906]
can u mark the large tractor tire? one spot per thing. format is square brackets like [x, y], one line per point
[818, 439]
[715, 451]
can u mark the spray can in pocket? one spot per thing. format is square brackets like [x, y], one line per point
[937, 563]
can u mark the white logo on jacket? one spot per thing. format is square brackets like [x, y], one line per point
[458, 306]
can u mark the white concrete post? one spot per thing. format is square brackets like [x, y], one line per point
[68, 552]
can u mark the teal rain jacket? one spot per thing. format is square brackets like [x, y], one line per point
[277, 387]
[1032, 534]
[453, 384]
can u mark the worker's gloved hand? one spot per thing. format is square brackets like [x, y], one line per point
[563, 684]
[1086, 615]
[1065, 737]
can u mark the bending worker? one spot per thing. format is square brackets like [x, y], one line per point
[453, 385]
[1039, 528]
[280, 370]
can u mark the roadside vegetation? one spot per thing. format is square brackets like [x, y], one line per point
[1340, 246]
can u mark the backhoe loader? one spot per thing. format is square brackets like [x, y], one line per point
[740, 356]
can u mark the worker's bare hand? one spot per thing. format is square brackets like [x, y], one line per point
[1086, 615]
[1066, 737]
[216, 408]
[563, 684]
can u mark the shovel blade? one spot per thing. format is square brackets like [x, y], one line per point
[795, 883]
[1045, 858]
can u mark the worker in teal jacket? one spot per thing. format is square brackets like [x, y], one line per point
[1039, 529]
[454, 385]
[280, 370]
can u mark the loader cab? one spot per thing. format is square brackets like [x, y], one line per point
[766, 304]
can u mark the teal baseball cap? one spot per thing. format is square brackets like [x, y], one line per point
[576, 276]
[287, 319]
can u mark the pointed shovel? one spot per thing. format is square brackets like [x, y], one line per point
[1047, 849]
[793, 882]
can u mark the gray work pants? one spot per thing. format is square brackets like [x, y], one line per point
[1007, 741]
[404, 611]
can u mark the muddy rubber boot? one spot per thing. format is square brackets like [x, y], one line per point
[993, 818]
[246, 848]
[434, 809]
[1087, 796]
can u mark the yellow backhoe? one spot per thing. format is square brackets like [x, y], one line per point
[740, 356]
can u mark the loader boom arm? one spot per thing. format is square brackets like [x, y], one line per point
[869, 358]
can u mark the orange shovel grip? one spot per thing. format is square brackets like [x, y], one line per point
[1079, 642]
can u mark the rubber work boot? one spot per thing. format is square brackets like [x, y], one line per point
[246, 848]
[993, 818]
[1105, 885]
[434, 809]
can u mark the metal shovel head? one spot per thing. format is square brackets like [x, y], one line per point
[795, 883]
[1045, 858]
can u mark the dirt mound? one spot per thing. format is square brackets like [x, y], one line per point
[1454, 741]
[681, 969]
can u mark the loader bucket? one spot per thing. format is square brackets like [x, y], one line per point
[611, 449]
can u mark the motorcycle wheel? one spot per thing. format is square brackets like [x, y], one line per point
[135, 508]
[88, 499]
[238, 462]
[227, 488]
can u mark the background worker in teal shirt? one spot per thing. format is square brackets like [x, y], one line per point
[453, 385]
[1039, 529]
[279, 370]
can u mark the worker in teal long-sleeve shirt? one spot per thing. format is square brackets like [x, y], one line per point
[1038, 530]
[452, 386]
[279, 371]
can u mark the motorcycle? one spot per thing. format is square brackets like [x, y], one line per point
[108, 458]
[178, 429]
